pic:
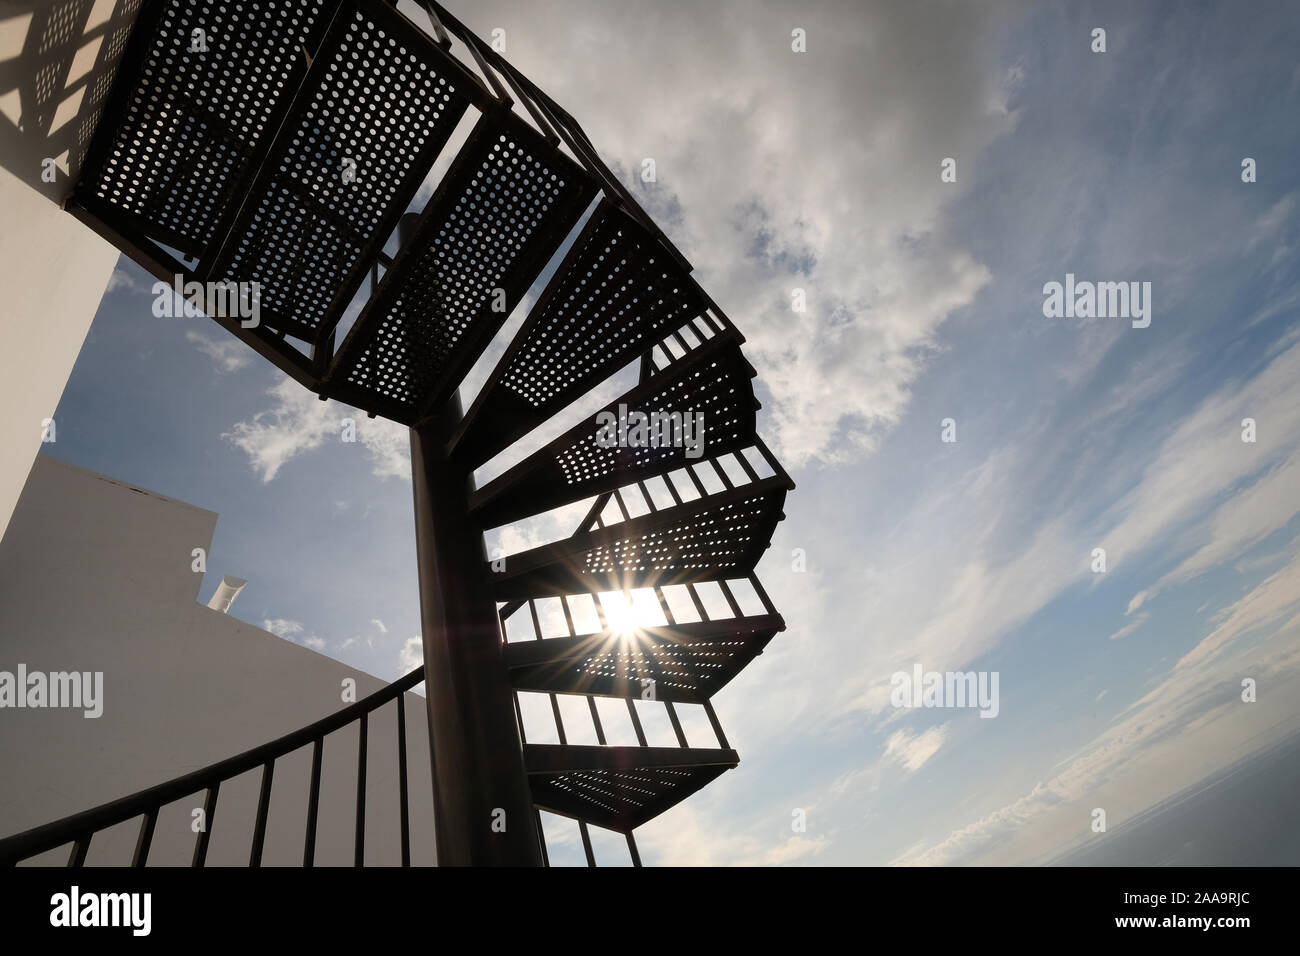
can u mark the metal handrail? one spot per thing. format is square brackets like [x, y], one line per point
[79, 828]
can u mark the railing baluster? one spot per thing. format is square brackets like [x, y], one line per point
[263, 805]
[519, 718]
[209, 811]
[677, 724]
[145, 838]
[444, 41]
[361, 796]
[699, 605]
[636, 721]
[746, 466]
[568, 616]
[559, 724]
[80, 846]
[313, 802]
[720, 470]
[79, 829]
[555, 703]
[672, 489]
[401, 779]
[695, 480]
[486, 69]
[541, 836]
[768, 606]
[731, 598]
[586, 842]
[645, 494]
[595, 720]
[547, 129]
[717, 727]
[664, 608]
[537, 624]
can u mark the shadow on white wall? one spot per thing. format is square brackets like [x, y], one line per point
[57, 62]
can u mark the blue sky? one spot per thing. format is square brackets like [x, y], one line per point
[820, 171]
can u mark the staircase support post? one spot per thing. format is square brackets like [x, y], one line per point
[483, 808]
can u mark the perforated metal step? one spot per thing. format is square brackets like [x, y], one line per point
[376, 108]
[720, 535]
[713, 381]
[498, 216]
[615, 292]
[191, 110]
[687, 662]
[619, 788]
[270, 143]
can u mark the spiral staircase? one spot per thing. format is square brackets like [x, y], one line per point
[219, 157]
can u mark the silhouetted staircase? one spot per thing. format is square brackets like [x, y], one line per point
[221, 157]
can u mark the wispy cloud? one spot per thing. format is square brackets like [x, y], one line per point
[913, 750]
[1203, 688]
[684, 838]
[1130, 628]
[376, 632]
[763, 213]
[298, 423]
[411, 656]
[123, 278]
[228, 354]
[293, 631]
[281, 627]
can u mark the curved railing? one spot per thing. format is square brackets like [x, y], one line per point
[80, 828]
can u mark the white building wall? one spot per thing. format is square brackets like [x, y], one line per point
[54, 272]
[59, 58]
[95, 575]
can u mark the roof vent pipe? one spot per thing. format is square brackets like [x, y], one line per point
[226, 592]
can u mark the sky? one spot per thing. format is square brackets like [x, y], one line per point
[820, 171]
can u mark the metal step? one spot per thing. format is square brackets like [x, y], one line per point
[503, 209]
[713, 380]
[234, 154]
[619, 788]
[185, 129]
[719, 535]
[375, 95]
[687, 662]
[615, 292]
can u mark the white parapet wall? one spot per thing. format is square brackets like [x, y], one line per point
[97, 576]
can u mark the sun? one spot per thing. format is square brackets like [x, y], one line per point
[620, 618]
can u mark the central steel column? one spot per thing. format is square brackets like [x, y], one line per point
[477, 756]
